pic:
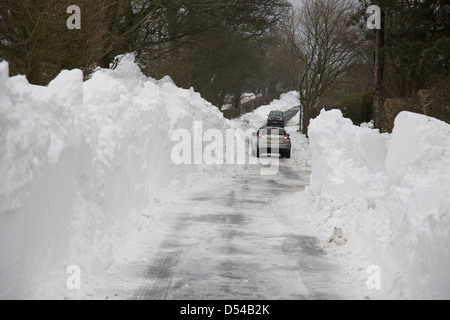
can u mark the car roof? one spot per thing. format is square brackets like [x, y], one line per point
[271, 127]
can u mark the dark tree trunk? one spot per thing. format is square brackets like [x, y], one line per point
[379, 74]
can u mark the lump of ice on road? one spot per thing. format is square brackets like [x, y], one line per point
[337, 237]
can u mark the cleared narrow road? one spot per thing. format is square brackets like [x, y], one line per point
[233, 242]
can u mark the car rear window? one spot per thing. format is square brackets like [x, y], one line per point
[276, 113]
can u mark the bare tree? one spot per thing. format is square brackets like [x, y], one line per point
[36, 42]
[214, 46]
[320, 37]
[216, 39]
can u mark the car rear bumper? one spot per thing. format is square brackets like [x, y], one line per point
[274, 146]
[276, 123]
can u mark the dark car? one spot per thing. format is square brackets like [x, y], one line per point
[276, 119]
[273, 139]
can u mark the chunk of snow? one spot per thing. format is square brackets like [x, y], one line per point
[391, 197]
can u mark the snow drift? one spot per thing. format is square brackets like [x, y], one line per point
[258, 117]
[390, 196]
[82, 165]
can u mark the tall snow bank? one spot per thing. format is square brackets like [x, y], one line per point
[418, 166]
[389, 198]
[345, 157]
[83, 165]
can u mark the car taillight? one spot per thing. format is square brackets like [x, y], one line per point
[261, 137]
[287, 138]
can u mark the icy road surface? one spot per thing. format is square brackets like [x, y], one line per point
[233, 242]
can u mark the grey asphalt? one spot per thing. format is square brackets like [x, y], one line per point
[232, 242]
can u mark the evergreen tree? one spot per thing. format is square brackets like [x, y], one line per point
[417, 44]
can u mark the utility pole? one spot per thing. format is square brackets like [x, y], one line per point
[379, 74]
[304, 88]
[376, 21]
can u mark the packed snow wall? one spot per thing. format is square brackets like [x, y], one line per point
[82, 164]
[390, 196]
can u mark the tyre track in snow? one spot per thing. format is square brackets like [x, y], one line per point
[232, 242]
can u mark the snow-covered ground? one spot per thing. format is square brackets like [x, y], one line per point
[86, 174]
